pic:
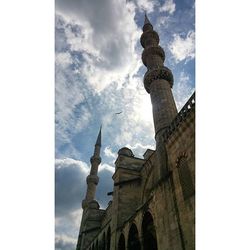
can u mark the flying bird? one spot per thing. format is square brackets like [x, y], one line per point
[118, 113]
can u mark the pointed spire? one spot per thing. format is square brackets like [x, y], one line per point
[146, 20]
[147, 25]
[99, 138]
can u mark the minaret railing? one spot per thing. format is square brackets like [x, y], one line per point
[181, 116]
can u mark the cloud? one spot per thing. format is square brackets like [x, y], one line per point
[168, 6]
[139, 149]
[91, 55]
[70, 184]
[106, 167]
[64, 243]
[108, 152]
[145, 5]
[71, 106]
[107, 42]
[162, 21]
[183, 48]
[70, 190]
[182, 90]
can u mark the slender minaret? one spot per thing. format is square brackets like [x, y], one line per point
[92, 179]
[158, 82]
[87, 204]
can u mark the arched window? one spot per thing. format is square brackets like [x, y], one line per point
[108, 239]
[121, 244]
[185, 178]
[149, 233]
[133, 238]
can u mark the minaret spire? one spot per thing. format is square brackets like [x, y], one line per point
[147, 25]
[146, 20]
[92, 179]
[99, 138]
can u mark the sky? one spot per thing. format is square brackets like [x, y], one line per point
[98, 73]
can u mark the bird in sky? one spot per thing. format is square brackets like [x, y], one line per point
[118, 113]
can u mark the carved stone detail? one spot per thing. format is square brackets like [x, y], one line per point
[155, 74]
[181, 116]
[92, 179]
[95, 159]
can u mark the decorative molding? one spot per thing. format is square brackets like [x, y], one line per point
[181, 116]
[157, 74]
[92, 179]
[95, 159]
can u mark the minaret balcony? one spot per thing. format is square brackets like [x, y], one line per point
[92, 179]
[157, 74]
[95, 159]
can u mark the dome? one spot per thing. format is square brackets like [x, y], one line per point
[126, 151]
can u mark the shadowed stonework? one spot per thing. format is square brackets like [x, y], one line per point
[153, 202]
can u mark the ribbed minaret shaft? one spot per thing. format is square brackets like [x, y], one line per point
[92, 178]
[158, 79]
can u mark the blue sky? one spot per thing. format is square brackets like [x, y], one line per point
[98, 72]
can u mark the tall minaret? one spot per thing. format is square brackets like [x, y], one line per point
[92, 178]
[87, 204]
[158, 82]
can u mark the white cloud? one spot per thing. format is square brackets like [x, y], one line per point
[107, 42]
[146, 5]
[108, 152]
[72, 111]
[106, 167]
[69, 184]
[139, 145]
[69, 162]
[182, 90]
[183, 48]
[168, 6]
[139, 149]
[63, 59]
[70, 189]
[162, 21]
[64, 242]
[100, 51]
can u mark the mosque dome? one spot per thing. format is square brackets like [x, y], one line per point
[126, 151]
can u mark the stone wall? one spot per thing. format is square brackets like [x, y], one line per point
[148, 192]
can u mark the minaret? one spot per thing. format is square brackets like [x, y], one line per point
[158, 82]
[92, 179]
[89, 205]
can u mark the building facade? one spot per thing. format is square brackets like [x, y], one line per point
[153, 199]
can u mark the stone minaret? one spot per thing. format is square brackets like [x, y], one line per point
[158, 82]
[90, 206]
[92, 178]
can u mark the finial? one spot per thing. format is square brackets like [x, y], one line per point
[98, 141]
[146, 21]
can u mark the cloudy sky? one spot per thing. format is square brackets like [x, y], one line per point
[98, 73]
